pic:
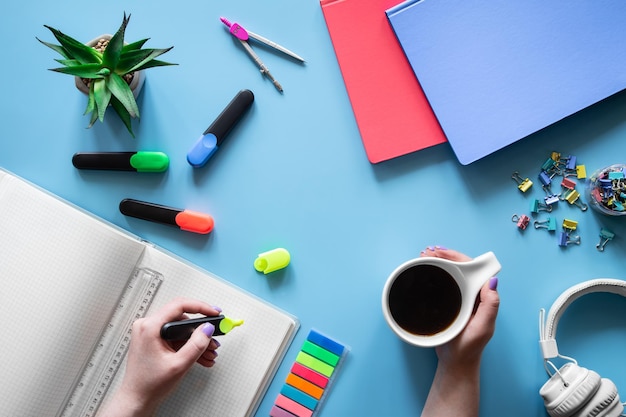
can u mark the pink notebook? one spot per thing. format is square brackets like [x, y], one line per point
[390, 108]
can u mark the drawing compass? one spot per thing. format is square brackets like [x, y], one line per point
[244, 35]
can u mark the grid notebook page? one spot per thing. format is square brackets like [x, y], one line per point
[62, 272]
[249, 354]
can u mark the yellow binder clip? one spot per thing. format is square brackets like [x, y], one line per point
[573, 198]
[570, 225]
[523, 184]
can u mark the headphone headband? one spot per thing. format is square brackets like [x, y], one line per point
[547, 328]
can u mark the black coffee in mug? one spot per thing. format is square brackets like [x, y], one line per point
[424, 299]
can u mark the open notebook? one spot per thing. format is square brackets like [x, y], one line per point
[64, 272]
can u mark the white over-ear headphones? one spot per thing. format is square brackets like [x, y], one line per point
[573, 391]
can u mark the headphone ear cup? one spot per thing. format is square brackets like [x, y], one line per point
[569, 389]
[604, 403]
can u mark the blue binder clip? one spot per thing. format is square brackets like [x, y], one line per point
[566, 239]
[551, 199]
[546, 181]
[570, 164]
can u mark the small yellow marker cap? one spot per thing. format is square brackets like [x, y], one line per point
[272, 260]
[227, 324]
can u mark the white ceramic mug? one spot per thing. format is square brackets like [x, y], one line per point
[428, 301]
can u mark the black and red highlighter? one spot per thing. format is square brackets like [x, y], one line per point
[190, 221]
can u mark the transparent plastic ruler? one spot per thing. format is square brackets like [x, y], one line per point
[108, 354]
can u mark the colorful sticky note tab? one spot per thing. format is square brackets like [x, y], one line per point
[309, 380]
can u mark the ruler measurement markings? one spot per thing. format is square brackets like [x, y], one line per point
[110, 350]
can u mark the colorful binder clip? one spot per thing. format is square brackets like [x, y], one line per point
[581, 172]
[551, 199]
[536, 206]
[546, 181]
[549, 224]
[523, 184]
[566, 239]
[567, 163]
[573, 197]
[605, 236]
[550, 166]
[570, 164]
[568, 184]
[569, 225]
[522, 221]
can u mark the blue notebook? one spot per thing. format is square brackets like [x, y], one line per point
[497, 71]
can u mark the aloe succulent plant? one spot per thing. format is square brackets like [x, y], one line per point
[106, 71]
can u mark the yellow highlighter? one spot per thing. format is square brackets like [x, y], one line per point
[182, 330]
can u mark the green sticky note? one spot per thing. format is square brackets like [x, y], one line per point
[320, 353]
[315, 364]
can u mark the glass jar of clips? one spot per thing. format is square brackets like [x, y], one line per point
[606, 190]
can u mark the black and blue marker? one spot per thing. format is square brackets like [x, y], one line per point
[214, 136]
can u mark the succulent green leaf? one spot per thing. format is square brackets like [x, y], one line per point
[91, 103]
[68, 62]
[93, 118]
[120, 90]
[92, 107]
[102, 96]
[111, 55]
[82, 71]
[123, 113]
[133, 60]
[76, 50]
[135, 45]
[154, 63]
[58, 48]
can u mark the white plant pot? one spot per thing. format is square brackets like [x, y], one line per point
[135, 85]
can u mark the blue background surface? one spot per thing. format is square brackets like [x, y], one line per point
[294, 174]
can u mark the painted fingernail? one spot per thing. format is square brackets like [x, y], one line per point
[217, 344]
[431, 248]
[217, 308]
[208, 329]
[440, 247]
[493, 283]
